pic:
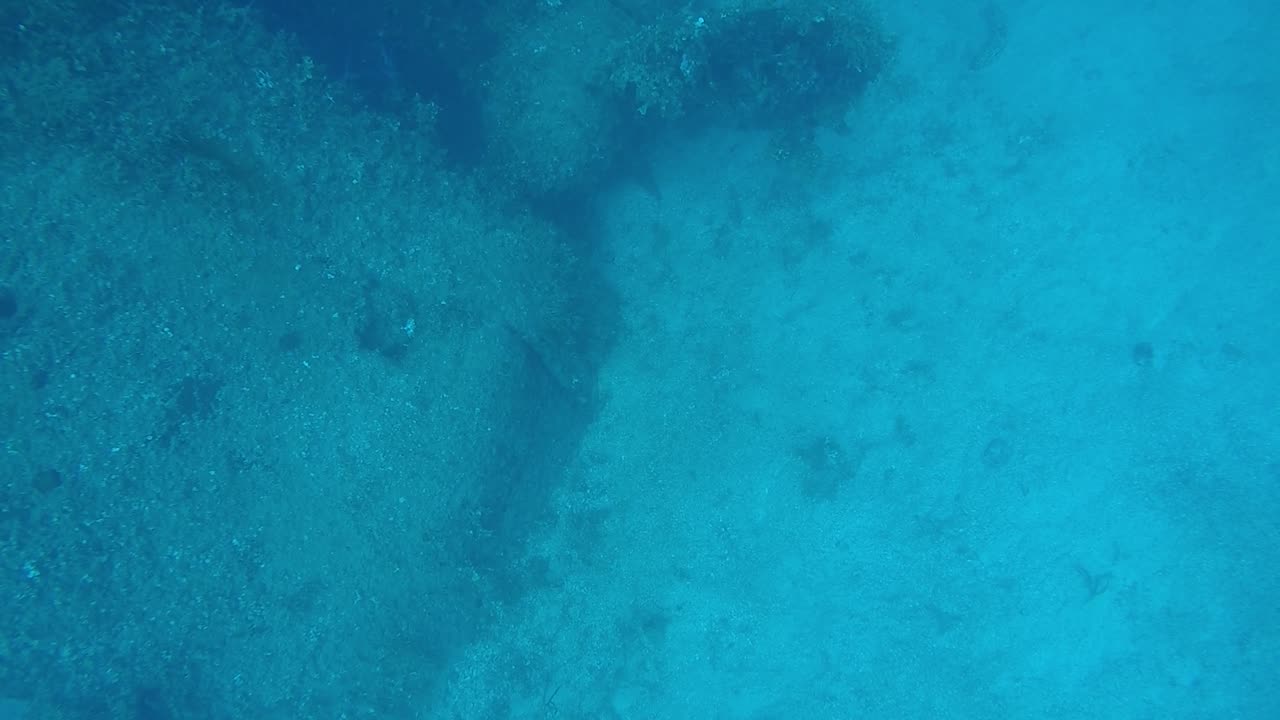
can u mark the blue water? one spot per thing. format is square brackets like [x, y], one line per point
[365, 360]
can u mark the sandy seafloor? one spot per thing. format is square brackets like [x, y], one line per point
[974, 416]
[967, 409]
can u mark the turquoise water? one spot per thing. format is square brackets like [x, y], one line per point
[743, 360]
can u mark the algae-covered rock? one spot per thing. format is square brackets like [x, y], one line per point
[755, 62]
[570, 92]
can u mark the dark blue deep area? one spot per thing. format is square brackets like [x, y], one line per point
[387, 63]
